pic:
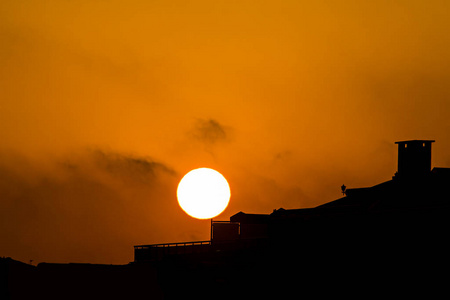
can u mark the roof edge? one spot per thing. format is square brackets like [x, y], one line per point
[416, 141]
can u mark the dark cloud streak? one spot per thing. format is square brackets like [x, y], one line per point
[130, 168]
[89, 207]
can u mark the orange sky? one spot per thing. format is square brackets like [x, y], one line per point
[105, 105]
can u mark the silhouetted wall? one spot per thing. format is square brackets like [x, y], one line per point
[224, 231]
[414, 158]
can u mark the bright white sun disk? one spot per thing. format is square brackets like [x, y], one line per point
[203, 193]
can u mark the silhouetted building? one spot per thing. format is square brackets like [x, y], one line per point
[411, 208]
[414, 158]
[224, 231]
[390, 238]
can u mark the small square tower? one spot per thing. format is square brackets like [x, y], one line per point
[414, 158]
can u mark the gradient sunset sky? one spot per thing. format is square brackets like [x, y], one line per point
[105, 105]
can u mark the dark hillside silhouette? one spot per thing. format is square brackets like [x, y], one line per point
[76, 281]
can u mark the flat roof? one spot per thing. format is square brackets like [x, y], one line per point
[415, 141]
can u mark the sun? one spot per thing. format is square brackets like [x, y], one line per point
[203, 193]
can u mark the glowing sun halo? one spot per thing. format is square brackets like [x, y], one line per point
[203, 193]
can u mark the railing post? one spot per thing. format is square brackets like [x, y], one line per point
[211, 233]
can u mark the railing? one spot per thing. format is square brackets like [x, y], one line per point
[167, 245]
[158, 251]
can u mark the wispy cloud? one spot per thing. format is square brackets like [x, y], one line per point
[92, 206]
[131, 169]
[210, 131]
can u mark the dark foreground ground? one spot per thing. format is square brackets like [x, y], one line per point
[393, 253]
[399, 268]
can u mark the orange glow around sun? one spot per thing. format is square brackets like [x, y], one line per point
[203, 193]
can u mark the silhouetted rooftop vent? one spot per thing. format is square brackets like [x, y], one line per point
[414, 158]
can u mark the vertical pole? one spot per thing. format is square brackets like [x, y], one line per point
[211, 233]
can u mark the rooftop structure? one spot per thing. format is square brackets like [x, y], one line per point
[414, 158]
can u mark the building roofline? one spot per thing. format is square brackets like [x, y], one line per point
[415, 141]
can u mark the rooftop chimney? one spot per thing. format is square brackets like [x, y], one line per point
[414, 158]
